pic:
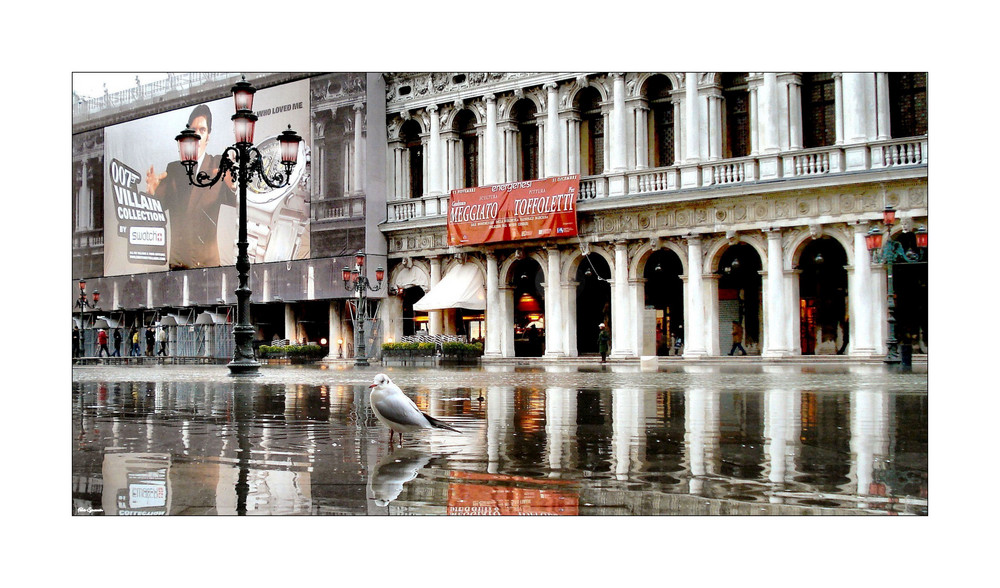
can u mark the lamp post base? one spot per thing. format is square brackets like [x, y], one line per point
[244, 368]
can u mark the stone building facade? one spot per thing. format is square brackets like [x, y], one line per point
[705, 198]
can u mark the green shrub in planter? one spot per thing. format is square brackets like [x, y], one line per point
[459, 349]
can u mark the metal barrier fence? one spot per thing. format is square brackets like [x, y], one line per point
[215, 341]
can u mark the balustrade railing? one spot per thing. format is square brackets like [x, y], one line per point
[338, 208]
[899, 153]
[793, 164]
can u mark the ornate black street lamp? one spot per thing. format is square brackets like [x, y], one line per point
[83, 303]
[891, 252]
[242, 162]
[357, 281]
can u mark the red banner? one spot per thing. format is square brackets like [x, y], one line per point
[534, 209]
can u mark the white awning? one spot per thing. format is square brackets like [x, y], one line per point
[412, 276]
[210, 318]
[462, 287]
[172, 320]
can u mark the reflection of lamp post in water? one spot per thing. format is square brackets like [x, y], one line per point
[243, 162]
[890, 253]
[243, 412]
[357, 281]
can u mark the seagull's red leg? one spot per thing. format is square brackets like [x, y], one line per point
[390, 436]
[400, 438]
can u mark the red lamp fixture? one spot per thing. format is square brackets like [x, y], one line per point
[187, 146]
[289, 147]
[243, 93]
[874, 239]
[243, 126]
[379, 274]
[889, 215]
[922, 237]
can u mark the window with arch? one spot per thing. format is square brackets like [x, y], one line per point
[591, 133]
[410, 133]
[661, 121]
[736, 95]
[527, 132]
[818, 110]
[465, 122]
[908, 104]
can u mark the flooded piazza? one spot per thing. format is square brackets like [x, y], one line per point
[735, 438]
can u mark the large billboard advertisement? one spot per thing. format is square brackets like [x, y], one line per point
[156, 220]
[534, 209]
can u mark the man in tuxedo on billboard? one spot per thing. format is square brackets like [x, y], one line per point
[193, 211]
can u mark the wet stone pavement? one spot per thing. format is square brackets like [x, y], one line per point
[801, 439]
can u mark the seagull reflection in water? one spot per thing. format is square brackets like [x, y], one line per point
[393, 471]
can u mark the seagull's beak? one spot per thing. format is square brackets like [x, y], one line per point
[373, 385]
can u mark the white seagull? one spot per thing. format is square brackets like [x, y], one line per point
[398, 412]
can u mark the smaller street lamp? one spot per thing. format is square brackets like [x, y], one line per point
[83, 303]
[356, 280]
[891, 252]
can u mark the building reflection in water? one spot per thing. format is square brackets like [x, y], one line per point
[703, 446]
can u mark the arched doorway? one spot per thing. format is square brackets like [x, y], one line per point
[529, 308]
[665, 292]
[413, 322]
[740, 299]
[909, 283]
[823, 328]
[593, 301]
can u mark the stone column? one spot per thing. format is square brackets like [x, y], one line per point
[882, 99]
[434, 324]
[618, 123]
[795, 112]
[554, 318]
[552, 130]
[692, 152]
[855, 109]
[713, 342]
[856, 154]
[861, 307]
[291, 333]
[621, 315]
[641, 137]
[838, 107]
[569, 312]
[493, 318]
[754, 122]
[336, 330]
[775, 323]
[492, 152]
[358, 184]
[434, 150]
[694, 308]
[769, 114]
[715, 127]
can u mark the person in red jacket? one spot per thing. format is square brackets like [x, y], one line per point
[102, 342]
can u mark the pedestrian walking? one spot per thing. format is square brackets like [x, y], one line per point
[76, 341]
[603, 338]
[150, 340]
[134, 338]
[737, 338]
[102, 343]
[118, 343]
[161, 338]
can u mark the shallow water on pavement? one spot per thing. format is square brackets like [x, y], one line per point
[538, 440]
